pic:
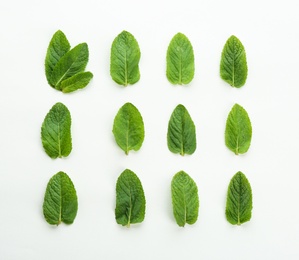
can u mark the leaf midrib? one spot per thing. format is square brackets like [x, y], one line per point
[185, 206]
[183, 133]
[130, 210]
[126, 69]
[239, 200]
[180, 69]
[233, 72]
[59, 142]
[127, 137]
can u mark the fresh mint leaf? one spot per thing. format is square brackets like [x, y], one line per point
[65, 67]
[60, 202]
[185, 200]
[56, 132]
[58, 47]
[124, 59]
[130, 199]
[75, 82]
[70, 64]
[239, 200]
[128, 128]
[238, 130]
[181, 136]
[233, 65]
[180, 60]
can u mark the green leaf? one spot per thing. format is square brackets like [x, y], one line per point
[185, 200]
[60, 202]
[70, 64]
[58, 47]
[76, 82]
[239, 200]
[130, 199]
[124, 59]
[181, 136]
[128, 128]
[238, 130]
[56, 132]
[180, 60]
[233, 65]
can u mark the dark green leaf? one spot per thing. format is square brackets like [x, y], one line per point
[60, 202]
[130, 200]
[180, 60]
[128, 128]
[124, 60]
[185, 200]
[76, 82]
[181, 136]
[233, 65]
[58, 47]
[56, 132]
[70, 64]
[239, 200]
[238, 130]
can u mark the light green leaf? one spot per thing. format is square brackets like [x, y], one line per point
[124, 59]
[58, 47]
[76, 82]
[60, 202]
[185, 200]
[180, 60]
[233, 65]
[181, 136]
[130, 199]
[238, 130]
[70, 64]
[239, 200]
[56, 132]
[128, 128]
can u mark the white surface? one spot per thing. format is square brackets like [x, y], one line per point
[269, 32]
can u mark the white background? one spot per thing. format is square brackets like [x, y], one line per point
[270, 34]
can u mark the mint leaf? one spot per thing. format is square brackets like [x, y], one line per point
[76, 82]
[185, 200]
[60, 202]
[180, 60]
[56, 132]
[65, 67]
[130, 199]
[239, 200]
[124, 59]
[238, 130]
[128, 128]
[233, 65]
[181, 136]
[58, 47]
[70, 64]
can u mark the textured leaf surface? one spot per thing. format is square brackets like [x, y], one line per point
[124, 59]
[238, 130]
[233, 65]
[60, 202]
[70, 64]
[56, 132]
[58, 47]
[181, 136]
[128, 128]
[130, 199]
[185, 200]
[76, 82]
[239, 200]
[180, 60]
